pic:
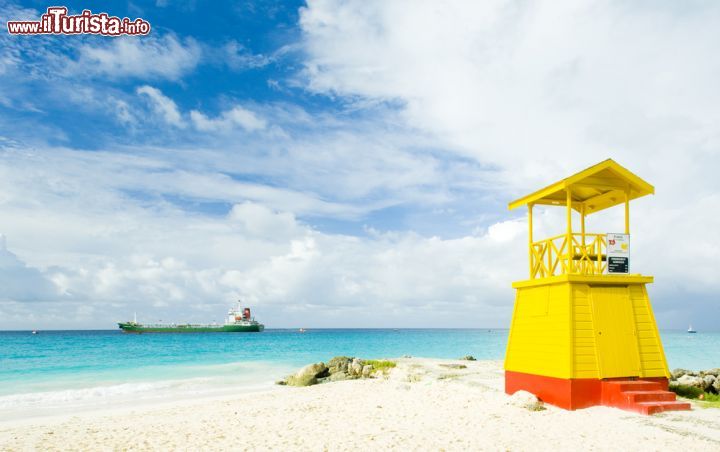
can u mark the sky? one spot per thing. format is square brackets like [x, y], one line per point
[346, 163]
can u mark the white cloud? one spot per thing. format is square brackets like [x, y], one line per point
[165, 107]
[123, 112]
[529, 87]
[19, 282]
[11, 51]
[540, 90]
[111, 102]
[507, 231]
[259, 221]
[238, 57]
[116, 254]
[400, 275]
[146, 58]
[228, 120]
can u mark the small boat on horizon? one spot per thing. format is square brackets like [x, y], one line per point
[691, 330]
[34, 331]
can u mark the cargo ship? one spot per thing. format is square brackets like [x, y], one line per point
[238, 320]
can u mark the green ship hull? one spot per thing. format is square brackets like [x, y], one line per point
[130, 327]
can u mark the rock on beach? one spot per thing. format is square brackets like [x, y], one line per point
[338, 368]
[705, 380]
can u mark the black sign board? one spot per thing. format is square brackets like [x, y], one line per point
[617, 264]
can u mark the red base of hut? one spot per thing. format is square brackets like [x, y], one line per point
[646, 396]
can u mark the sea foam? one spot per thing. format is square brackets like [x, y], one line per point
[231, 378]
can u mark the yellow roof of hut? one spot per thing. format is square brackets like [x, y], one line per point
[596, 188]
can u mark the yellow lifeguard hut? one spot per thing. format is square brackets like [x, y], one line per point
[583, 331]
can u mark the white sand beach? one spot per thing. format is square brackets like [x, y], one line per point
[421, 405]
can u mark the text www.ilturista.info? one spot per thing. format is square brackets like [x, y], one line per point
[57, 21]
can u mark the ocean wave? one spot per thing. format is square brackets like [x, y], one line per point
[178, 382]
[84, 394]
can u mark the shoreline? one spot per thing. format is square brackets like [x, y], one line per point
[201, 382]
[142, 407]
[20, 414]
[419, 405]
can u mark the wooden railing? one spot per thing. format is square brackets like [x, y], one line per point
[585, 256]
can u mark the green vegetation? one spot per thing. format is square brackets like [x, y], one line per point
[379, 364]
[689, 392]
[709, 404]
[705, 399]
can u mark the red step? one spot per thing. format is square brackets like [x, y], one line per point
[645, 397]
[659, 407]
[649, 396]
[633, 385]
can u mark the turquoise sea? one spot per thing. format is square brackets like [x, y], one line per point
[74, 369]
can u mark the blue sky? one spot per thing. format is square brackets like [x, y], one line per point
[212, 57]
[344, 163]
